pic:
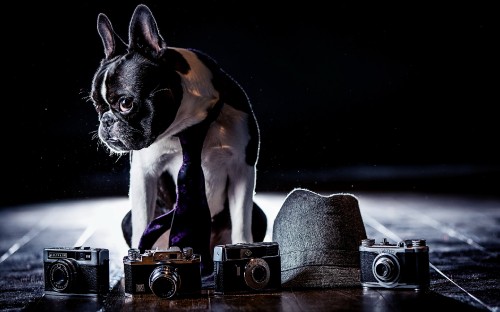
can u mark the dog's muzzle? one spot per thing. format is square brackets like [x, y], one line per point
[108, 134]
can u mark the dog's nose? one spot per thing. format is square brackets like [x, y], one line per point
[107, 119]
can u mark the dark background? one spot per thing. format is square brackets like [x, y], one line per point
[349, 96]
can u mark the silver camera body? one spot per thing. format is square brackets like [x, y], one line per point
[401, 265]
[76, 270]
[166, 273]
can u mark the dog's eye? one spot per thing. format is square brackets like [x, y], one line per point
[125, 104]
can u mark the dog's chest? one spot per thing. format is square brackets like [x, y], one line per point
[224, 145]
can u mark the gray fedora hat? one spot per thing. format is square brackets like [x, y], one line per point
[319, 238]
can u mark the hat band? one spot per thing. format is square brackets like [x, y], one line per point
[312, 257]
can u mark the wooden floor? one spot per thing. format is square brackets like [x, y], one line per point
[463, 234]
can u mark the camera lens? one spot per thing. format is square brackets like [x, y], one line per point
[256, 273]
[63, 274]
[164, 281]
[386, 269]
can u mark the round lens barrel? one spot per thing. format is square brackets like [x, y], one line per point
[386, 268]
[257, 273]
[63, 275]
[164, 281]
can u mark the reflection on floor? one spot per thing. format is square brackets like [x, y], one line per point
[462, 234]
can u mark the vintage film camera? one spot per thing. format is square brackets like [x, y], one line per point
[401, 265]
[76, 270]
[247, 267]
[163, 272]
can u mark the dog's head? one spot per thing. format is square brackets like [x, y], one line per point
[136, 90]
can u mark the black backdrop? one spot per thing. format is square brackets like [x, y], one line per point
[348, 96]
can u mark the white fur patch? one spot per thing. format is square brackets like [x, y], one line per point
[199, 95]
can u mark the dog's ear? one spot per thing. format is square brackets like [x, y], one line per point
[144, 35]
[107, 34]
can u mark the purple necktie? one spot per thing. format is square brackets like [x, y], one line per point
[191, 226]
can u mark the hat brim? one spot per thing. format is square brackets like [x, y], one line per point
[320, 276]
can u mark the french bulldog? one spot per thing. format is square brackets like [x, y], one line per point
[145, 94]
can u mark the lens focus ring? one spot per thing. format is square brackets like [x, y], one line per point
[386, 269]
[256, 273]
[164, 281]
[63, 274]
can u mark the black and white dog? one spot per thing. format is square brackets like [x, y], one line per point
[145, 94]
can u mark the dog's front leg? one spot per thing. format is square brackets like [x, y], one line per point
[142, 196]
[240, 194]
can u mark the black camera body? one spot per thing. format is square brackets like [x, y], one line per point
[401, 265]
[166, 273]
[247, 267]
[76, 271]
